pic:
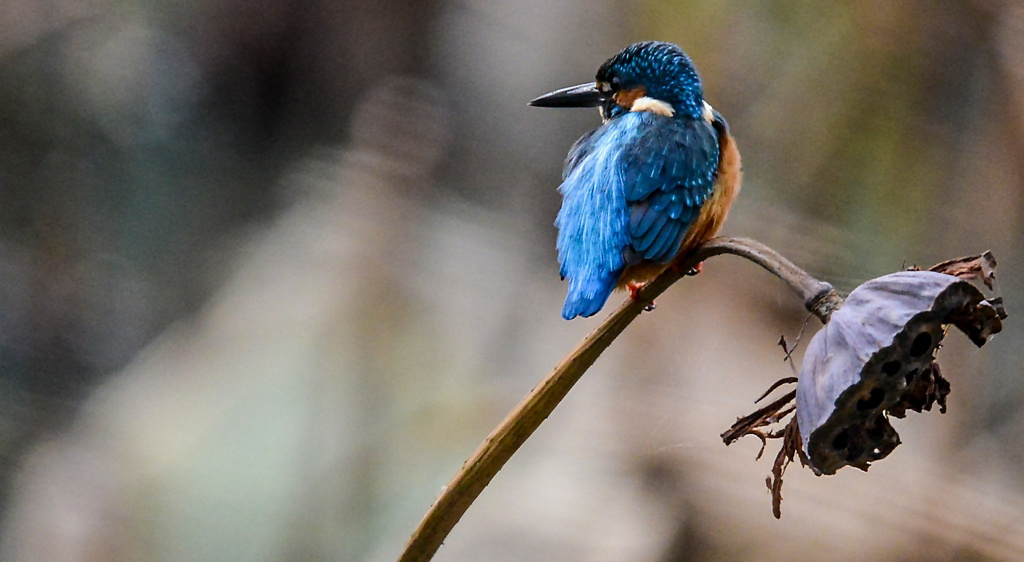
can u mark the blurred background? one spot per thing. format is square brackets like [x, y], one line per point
[270, 270]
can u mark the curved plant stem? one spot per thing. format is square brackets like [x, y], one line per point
[526, 417]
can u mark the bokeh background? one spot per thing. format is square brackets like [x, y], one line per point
[270, 270]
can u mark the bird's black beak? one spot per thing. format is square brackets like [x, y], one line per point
[584, 95]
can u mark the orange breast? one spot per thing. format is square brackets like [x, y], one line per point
[711, 218]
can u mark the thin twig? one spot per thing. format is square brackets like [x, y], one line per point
[763, 417]
[526, 417]
[776, 384]
[790, 448]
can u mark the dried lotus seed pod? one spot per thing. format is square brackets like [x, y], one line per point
[875, 358]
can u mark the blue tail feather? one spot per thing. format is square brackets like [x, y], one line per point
[587, 295]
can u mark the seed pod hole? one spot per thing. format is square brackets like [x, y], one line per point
[841, 440]
[922, 343]
[854, 452]
[872, 401]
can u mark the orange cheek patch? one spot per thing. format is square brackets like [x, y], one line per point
[625, 98]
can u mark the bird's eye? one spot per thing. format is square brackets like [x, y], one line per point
[616, 82]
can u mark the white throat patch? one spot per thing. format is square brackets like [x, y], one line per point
[708, 113]
[654, 106]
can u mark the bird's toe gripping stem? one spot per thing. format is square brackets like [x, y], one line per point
[634, 294]
[690, 272]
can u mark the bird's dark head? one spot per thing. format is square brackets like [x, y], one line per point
[660, 72]
[649, 76]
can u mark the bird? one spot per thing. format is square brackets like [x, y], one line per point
[650, 184]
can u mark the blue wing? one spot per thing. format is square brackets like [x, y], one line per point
[671, 173]
[593, 222]
[631, 188]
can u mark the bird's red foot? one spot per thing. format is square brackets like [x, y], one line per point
[634, 290]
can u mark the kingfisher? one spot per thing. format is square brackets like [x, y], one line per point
[653, 182]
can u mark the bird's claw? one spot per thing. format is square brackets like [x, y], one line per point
[678, 269]
[634, 289]
[634, 294]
